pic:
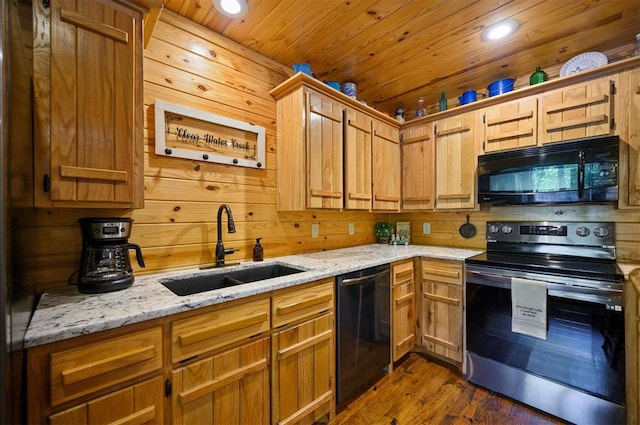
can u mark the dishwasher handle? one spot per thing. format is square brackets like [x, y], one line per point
[363, 279]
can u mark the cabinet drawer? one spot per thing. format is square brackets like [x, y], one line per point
[402, 273]
[301, 303]
[95, 366]
[208, 331]
[442, 271]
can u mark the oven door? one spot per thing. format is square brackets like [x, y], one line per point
[584, 348]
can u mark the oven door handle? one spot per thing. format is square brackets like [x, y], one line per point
[501, 281]
[363, 279]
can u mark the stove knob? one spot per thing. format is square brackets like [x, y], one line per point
[601, 232]
[494, 229]
[507, 229]
[582, 231]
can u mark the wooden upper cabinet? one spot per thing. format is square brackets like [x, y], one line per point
[455, 161]
[632, 134]
[324, 151]
[576, 111]
[418, 167]
[511, 125]
[386, 167]
[88, 97]
[357, 160]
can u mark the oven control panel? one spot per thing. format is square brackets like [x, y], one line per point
[565, 233]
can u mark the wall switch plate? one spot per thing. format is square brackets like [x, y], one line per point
[315, 230]
[352, 229]
[426, 228]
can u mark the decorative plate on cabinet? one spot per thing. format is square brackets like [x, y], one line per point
[583, 62]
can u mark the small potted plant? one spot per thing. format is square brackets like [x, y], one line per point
[383, 231]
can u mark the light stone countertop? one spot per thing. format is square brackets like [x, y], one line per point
[66, 313]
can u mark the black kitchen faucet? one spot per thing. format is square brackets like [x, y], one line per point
[231, 228]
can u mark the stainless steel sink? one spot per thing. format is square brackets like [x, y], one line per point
[209, 282]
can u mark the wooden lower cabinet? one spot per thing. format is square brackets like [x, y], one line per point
[632, 346]
[441, 315]
[109, 377]
[303, 372]
[231, 387]
[137, 404]
[403, 308]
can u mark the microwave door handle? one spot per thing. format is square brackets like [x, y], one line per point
[580, 174]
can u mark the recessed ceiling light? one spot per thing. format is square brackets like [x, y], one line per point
[232, 8]
[500, 30]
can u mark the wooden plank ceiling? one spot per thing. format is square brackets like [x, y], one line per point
[399, 50]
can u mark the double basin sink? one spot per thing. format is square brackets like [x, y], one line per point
[212, 281]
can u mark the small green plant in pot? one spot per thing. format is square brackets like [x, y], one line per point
[383, 231]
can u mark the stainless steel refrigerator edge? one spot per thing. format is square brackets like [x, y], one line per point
[4, 285]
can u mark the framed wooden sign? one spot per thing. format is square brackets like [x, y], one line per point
[188, 133]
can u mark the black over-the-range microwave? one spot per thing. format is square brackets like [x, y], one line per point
[584, 170]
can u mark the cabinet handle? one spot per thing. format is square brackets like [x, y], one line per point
[303, 345]
[77, 19]
[516, 117]
[454, 301]
[208, 387]
[385, 137]
[360, 196]
[577, 123]
[454, 196]
[510, 135]
[453, 130]
[298, 415]
[214, 331]
[138, 418]
[325, 193]
[404, 299]
[416, 198]
[387, 198]
[442, 272]
[410, 140]
[290, 308]
[332, 117]
[92, 173]
[357, 125]
[441, 341]
[577, 104]
[110, 364]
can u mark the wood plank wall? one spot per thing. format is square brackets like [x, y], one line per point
[445, 226]
[189, 65]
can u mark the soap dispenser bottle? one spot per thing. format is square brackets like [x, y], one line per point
[258, 253]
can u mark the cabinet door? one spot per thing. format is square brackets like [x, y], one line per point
[455, 162]
[580, 110]
[442, 329]
[403, 308]
[138, 404]
[89, 106]
[357, 160]
[511, 125]
[633, 137]
[418, 173]
[231, 387]
[303, 372]
[386, 167]
[324, 151]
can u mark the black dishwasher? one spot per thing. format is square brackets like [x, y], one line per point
[363, 329]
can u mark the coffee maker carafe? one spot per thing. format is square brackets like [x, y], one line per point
[105, 265]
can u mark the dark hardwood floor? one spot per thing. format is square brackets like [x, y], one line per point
[423, 391]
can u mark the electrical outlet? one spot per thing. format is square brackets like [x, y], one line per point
[315, 230]
[352, 229]
[426, 228]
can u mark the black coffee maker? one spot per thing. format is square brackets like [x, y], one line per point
[105, 265]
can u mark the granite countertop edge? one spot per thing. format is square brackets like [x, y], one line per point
[66, 313]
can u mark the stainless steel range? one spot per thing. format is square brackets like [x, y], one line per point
[543, 319]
